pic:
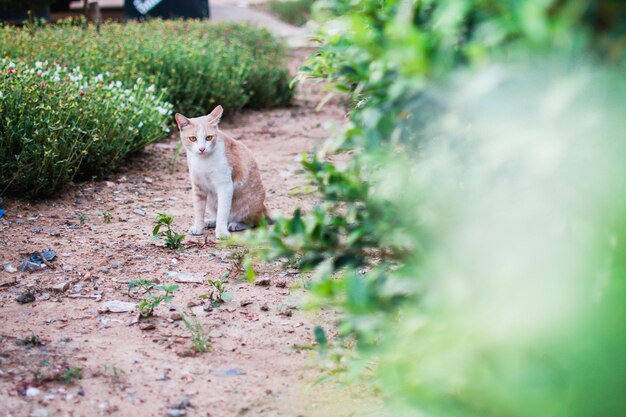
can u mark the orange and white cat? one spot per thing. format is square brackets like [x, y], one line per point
[225, 179]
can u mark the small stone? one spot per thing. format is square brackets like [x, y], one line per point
[9, 268]
[68, 267]
[140, 212]
[181, 404]
[244, 303]
[207, 307]
[262, 282]
[81, 392]
[62, 287]
[116, 307]
[163, 377]
[27, 297]
[32, 392]
[115, 266]
[187, 277]
[147, 325]
[265, 307]
[37, 229]
[147, 180]
[176, 413]
[55, 233]
[176, 316]
[281, 284]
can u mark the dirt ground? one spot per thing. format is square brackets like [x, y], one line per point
[261, 361]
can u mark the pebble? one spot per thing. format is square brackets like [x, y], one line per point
[27, 297]
[262, 282]
[115, 306]
[55, 233]
[115, 266]
[176, 316]
[147, 325]
[180, 404]
[68, 267]
[9, 268]
[265, 307]
[37, 229]
[140, 212]
[32, 392]
[244, 303]
[81, 392]
[62, 287]
[176, 413]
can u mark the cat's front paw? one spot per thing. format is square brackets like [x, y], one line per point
[193, 230]
[222, 234]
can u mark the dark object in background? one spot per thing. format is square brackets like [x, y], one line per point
[34, 262]
[166, 9]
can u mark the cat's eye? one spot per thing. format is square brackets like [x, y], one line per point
[192, 138]
[209, 137]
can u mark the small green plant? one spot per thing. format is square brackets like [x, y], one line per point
[107, 216]
[71, 374]
[172, 239]
[150, 301]
[82, 219]
[218, 293]
[199, 338]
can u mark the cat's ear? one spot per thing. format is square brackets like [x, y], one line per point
[215, 116]
[181, 121]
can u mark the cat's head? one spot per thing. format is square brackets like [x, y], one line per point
[199, 134]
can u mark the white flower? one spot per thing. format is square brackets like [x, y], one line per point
[39, 64]
[151, 88]
[11, 64]
[1, 94]
[118, 84]
[139, 126]
[161, 110]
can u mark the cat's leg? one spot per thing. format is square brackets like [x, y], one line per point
[224, 201]
[210, 208]
[237, 226]
[199, 207]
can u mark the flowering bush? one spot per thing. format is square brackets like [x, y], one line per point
[58, 124]
[199, 64]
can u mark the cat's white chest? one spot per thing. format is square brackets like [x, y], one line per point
[212, 171]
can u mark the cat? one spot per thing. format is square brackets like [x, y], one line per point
[225, 178]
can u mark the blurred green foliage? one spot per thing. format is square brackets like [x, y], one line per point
[472, 241]
[296, 12]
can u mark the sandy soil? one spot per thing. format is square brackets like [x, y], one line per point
[260, 362]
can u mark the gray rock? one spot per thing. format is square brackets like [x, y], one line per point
[9, 268]
[140, 212]
[27, 297]
[115, 306]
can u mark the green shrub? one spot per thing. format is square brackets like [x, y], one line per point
[58, 124]
[473, 244]
[199, 64]
[296, 12]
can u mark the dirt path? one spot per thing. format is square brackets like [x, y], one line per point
[258, 364]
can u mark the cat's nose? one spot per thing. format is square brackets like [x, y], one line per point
[201, 149]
